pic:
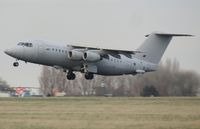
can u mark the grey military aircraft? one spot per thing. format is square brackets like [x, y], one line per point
[91, 60]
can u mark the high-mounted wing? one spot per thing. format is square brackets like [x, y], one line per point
[103, 51]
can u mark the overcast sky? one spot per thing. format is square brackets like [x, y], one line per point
[118, 24]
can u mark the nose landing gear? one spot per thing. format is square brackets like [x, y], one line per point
[16, 64]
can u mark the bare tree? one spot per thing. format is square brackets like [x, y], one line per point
[169, 80]
[44, 80]
[3, 85]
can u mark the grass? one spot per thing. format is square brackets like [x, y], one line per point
[100, 113]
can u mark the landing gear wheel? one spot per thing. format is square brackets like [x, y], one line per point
[71, 75]
[15, 64]
[89, 76]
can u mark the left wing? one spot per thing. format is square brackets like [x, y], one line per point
[103, 51]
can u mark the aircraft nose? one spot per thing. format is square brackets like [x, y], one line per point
[8, 51]
[14, 52]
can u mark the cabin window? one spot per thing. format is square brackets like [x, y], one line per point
[30, 44]
[21, 43]
[25, 44]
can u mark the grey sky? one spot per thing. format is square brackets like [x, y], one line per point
[119, 24]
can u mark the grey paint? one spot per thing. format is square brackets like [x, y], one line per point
[43, 53]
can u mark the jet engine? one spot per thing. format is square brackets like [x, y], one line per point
[75, 55]
[91, 56]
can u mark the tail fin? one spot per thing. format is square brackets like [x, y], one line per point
[154, 46]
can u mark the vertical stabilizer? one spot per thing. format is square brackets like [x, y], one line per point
[154, 46]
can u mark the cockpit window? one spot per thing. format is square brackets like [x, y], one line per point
[25, 44]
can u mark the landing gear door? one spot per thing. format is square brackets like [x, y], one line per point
[91, 68]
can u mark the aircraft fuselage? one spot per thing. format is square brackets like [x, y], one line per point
[40, 52]
[90, 60]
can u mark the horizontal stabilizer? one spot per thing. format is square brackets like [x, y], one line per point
[169, 34]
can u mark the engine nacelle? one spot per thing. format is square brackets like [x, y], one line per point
[75, 55]
[91, 56]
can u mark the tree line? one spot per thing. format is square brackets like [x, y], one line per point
[168, 80]
[3, 85]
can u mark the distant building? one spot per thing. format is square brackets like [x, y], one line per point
[27, 91]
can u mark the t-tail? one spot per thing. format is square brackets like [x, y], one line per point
[154, 46]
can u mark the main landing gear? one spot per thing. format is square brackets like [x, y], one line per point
[72, 76]
[89, 76]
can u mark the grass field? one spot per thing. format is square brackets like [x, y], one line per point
[100, 113]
